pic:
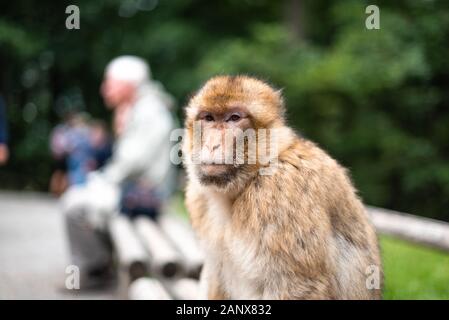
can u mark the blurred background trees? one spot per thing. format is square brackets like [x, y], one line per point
[377, 100]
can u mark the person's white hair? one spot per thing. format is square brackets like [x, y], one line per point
[129, 68]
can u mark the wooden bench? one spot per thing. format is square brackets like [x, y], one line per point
[156, 260]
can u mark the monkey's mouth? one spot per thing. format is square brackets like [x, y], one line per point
[214, 169]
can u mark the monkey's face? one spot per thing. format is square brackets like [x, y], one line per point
[223, 122]
[223, 147]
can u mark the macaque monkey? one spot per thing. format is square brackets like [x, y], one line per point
[286, 225]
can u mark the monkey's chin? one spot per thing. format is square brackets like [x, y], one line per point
[216, 174]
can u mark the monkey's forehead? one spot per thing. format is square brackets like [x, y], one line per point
[236, 85]
[230, 91]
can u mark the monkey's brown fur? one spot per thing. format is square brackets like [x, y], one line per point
[300, 233]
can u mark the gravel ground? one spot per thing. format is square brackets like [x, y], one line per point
[33, 250]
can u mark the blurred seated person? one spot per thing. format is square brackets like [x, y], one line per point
[137, 179]
[4, 151]
[100, 143]
[78, 146]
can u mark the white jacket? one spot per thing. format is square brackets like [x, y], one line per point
[143, 149]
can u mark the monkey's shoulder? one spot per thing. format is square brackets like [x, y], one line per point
[304, 154]
[304, 165]
[307, 184]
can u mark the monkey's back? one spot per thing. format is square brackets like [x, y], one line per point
[311, 218]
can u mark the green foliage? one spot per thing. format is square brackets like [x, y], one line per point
[375, 99]
[414, 272]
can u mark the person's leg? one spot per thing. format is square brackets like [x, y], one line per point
[90, 248]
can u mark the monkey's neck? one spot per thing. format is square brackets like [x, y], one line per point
[230, 193]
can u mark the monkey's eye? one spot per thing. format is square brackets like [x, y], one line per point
[235, 117]
[208, 118]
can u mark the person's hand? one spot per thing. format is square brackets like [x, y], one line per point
[58, 182]
[102, 199]
[4, 154]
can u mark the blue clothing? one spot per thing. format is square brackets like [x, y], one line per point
[74, 145]
[137, 199]
[3, 123]
[79, 162]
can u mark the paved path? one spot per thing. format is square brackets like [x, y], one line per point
[33, 250]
